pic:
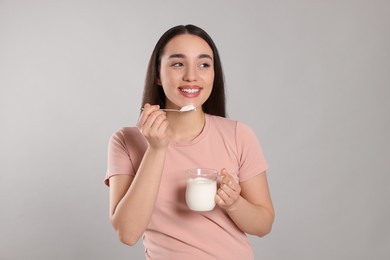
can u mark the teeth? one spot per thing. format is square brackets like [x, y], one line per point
[193, 90]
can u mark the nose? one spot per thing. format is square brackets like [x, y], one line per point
[189, 74]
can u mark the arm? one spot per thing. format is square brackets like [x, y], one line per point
[248, 204]
[132, 199]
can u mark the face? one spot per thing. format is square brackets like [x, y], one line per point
[186, 71]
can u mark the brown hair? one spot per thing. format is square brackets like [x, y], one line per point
[153, 94]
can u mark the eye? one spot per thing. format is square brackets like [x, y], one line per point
[177, 64]
[204, 65]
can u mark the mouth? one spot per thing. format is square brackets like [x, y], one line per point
[190, 91]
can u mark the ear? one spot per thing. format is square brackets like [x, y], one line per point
[159, 82]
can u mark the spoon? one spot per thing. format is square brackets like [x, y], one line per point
[186, 108]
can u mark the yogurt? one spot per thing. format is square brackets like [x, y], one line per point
[200, 193]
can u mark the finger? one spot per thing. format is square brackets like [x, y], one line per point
[162, 130]
[228, 180]
[219, 201]
[148, 110]
[155, 119]
[231, 195]
[147, 105]
[225, 198]
[225, 175]
[151, 119]
[156, 125]
[231, 185]
[228, 189]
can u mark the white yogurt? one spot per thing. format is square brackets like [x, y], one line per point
[200, 193]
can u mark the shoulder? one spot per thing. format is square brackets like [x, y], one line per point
[222, 122]
[231, 125]
[126, 132]
[127, 136]
[244, 129]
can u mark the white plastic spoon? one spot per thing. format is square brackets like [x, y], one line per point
[186, 108]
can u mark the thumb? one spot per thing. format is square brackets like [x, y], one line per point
[223, 174]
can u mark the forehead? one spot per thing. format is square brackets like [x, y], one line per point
[187, 44]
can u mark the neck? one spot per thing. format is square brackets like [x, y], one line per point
[186, 126]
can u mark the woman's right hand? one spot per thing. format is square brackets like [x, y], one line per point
[132, 208]
[153, 124]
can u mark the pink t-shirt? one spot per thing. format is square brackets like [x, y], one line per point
[175, 232]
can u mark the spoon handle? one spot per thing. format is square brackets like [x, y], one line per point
[167, 110]
[170, 110]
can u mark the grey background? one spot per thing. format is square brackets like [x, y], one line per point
[311, 78]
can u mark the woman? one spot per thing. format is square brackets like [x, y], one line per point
[146, 163]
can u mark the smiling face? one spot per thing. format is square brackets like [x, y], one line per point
[186, 71]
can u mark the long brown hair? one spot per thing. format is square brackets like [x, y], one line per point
[153, 94]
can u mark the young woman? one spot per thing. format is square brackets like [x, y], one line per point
[147, 163]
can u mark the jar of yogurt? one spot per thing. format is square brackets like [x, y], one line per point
[201, 188]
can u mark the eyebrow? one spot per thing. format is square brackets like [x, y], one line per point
[200, 56]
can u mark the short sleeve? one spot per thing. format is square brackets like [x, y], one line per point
[118, 161]
[251, 158]
[126, 148]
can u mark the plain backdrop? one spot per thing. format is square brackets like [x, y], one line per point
[310, 77]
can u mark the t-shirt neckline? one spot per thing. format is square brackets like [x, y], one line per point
[199, 137]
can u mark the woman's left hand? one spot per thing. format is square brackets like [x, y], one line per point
[228, 192]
